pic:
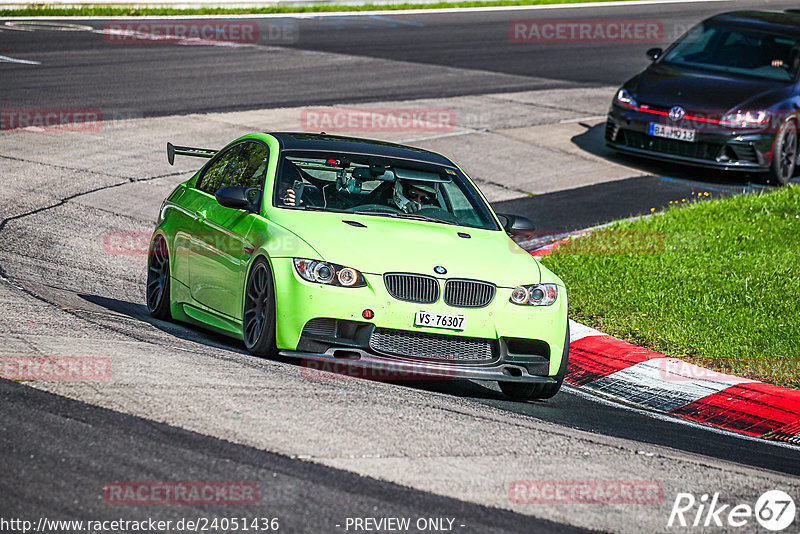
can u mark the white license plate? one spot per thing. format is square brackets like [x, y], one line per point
[671, 132]
[440, 320]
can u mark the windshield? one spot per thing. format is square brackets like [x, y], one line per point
[738, 51]
[368, 185]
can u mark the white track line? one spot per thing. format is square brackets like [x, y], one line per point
[581, 119]
[6, 59]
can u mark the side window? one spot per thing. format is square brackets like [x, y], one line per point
[215, 176]
[249, 167]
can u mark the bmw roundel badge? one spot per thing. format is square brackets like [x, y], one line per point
[439, 270]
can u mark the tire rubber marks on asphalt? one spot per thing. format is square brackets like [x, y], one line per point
[653, 385]
[30, 26]
[754, 408]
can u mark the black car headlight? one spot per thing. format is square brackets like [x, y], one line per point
[534, 295]
[624, 98]
[746, 119]
[332, 274]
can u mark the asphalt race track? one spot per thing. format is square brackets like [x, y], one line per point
[183, 404]
[327, 60]
[84, 445]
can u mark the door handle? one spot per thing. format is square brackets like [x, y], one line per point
[201, 215]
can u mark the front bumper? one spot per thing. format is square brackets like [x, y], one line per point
[501, 341]
[714, 146]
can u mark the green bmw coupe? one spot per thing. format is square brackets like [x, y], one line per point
[362, 253]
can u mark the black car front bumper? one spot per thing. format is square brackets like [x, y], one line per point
[627, 131]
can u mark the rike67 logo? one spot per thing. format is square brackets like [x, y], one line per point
[774, 510]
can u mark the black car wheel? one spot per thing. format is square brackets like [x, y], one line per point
[158, 299]
[258, 318]
[784, 157]
[522, 391]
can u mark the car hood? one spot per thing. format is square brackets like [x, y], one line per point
[387, 244]
[700, 90]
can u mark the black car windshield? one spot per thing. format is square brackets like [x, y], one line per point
[370, 185]
[737, 51]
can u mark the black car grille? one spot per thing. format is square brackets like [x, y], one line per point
[611, 131]
[412, 287]
[746, 153]
[468, 293]
[707, 151]
[440, 347]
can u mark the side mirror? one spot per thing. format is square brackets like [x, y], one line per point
[517, 226]
[654, 53]
[235, 196]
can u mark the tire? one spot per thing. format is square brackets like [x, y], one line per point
[158, 280]
[258, 314]
[784, 155]
[522, 391]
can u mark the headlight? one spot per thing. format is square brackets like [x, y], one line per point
[745, 119]
[328, 273]
[347, 277]
[624, 98]
[534, 295]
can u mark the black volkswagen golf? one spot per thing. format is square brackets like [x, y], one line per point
[724, 95]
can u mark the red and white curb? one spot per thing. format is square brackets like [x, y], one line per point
[612, 367]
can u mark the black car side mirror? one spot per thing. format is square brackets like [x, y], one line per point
[654, 53]
[517, 226]
[235, 196]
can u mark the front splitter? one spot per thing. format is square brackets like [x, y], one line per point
[362, 364]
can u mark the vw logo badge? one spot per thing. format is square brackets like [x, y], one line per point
[676, 113]
[439, 270]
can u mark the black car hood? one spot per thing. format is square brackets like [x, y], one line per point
[702, 90]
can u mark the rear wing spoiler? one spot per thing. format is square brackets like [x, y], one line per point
[188, 151]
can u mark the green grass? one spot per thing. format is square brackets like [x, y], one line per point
[43, 10]
[715, 282]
